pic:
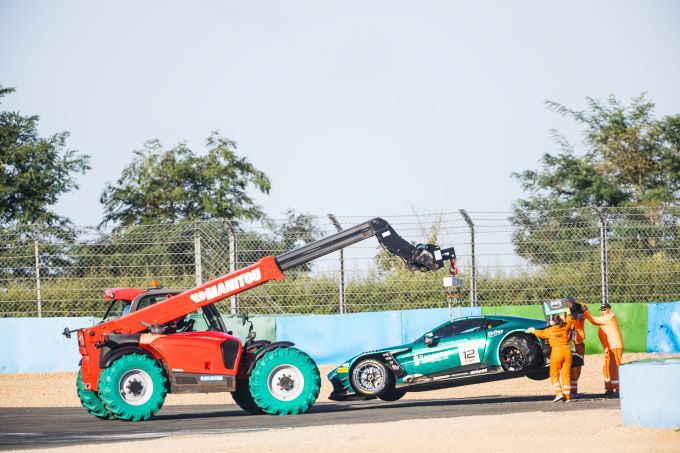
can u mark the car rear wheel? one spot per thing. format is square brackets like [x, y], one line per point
[392, 395]
[539, 374]
[518, 353]
[370, 377]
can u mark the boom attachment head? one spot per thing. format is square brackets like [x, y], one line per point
[421, 257]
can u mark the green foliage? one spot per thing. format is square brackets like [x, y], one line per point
[168, 185]
[644, 279]
[296, 231]
[34, 171]
[630, 158]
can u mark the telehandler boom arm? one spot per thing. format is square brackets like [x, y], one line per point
[423, 258]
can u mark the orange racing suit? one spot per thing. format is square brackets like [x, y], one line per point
[612, 342]
[560, 356]
[578, 317]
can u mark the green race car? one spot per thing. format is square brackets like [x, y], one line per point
[459, 352]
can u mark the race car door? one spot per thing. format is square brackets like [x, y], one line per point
[459, 346]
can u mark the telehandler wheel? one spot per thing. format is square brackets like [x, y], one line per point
[90, 400]
[133, 387]
[244, 398]
[285, 381]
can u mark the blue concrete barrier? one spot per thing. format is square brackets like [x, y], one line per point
[332, 339]
[36, 345]
[663, 333]
[650, 393]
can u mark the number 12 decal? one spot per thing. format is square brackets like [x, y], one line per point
[468, 354]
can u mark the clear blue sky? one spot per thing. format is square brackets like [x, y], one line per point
[351, 107]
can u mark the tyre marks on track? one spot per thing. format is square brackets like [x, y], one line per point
[41, 427]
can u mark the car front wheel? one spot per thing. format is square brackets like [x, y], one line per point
[370, 377]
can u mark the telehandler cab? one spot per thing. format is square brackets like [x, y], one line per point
[174, 341]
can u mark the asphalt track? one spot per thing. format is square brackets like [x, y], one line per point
[22, 428]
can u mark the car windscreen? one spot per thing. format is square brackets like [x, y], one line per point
[460, 327]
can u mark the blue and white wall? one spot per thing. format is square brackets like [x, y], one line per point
[30, 345]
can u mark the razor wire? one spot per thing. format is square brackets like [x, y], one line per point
[623, 255]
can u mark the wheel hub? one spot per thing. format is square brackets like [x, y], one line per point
[370, 377]
[135, 387]
[513, 359]
[285, 382]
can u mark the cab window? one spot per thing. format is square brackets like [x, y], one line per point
[150, 300]
[200, 320]
[119, 308]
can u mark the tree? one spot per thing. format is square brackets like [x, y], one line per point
[295, 231]
[176, 184]
[34, 171]
[630, 159]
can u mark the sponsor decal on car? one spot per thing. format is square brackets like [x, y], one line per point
[493, 333]
[420, 359]
[342, 369]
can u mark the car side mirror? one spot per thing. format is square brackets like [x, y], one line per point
[430, 339]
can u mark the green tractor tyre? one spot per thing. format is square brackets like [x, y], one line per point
[244, 398]
[90, 400]
[133, 388]
[285, 381]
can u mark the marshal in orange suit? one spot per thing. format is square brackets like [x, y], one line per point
[612, 342]
[560, 355]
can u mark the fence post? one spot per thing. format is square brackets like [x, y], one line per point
[197, 253]
[38, 289]
[231, 233]
[473, 273]
[603, 254]
[343, 306]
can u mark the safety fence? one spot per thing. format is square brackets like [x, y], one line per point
[505, 258]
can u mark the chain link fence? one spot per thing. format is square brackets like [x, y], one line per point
[620, 255]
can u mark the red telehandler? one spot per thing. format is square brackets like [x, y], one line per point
[130, 363]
